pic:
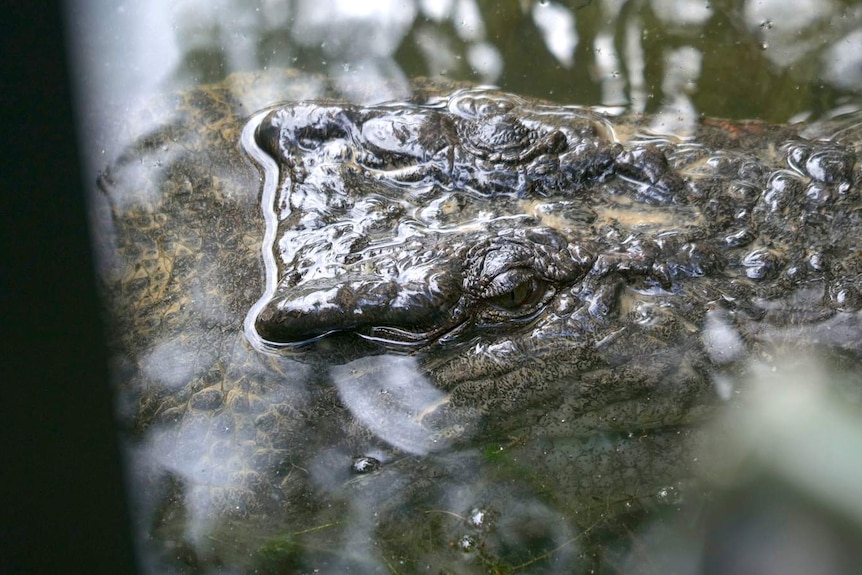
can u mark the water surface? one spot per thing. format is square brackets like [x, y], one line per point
[393, 499]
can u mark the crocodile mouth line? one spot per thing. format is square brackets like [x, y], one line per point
[407, 341]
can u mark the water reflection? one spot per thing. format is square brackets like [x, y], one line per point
[243, 461]
[390, 395]
[606, 52]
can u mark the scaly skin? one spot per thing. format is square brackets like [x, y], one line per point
[460, 302]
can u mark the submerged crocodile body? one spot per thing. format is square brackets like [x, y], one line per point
[455, 302]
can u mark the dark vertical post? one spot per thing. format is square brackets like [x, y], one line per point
[63, 503]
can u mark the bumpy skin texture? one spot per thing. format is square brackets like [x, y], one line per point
[560, 291]
[533, 254]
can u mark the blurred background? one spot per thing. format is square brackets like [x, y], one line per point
[775, 60]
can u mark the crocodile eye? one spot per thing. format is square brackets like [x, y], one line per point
[515, 290]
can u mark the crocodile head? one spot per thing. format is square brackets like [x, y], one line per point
[530, 256]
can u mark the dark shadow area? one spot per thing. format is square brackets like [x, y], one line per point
[63, 496]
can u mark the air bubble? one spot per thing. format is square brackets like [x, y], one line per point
[364, 464]
[467, 543]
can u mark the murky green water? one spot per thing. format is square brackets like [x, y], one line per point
[246, 462]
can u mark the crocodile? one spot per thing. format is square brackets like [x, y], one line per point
[500, 311]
